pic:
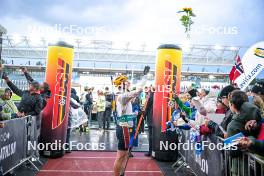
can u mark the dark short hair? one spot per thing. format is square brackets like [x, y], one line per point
[106, 88]
[258, 88]
[46, 86]
[73, 91]
[35, 84]
[193, 92]
[237, 98]
[226, 90]
[8, 89]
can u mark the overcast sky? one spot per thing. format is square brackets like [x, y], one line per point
[222, 22]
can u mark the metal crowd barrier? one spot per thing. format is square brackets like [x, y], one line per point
[182, 154]
[15, 136]
[218, 162]
[246, 165]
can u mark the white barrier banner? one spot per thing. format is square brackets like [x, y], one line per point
[253, 64]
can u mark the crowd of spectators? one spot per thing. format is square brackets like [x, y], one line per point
[242, 113]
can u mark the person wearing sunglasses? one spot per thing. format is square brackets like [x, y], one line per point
[223, 97]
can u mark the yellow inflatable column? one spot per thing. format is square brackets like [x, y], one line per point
[167, 81]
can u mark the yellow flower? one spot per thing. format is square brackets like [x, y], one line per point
[187, 9]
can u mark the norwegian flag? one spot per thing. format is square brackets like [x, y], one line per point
[237, 70]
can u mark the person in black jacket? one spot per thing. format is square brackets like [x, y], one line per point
[243, 112]
[108, 108]
[44, 87]
[148, 115]
[31, 101]
[221, 130]
[74, 95]
[88, 104]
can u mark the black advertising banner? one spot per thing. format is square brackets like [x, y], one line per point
[206, 162]
[12, 143]
[32, 142]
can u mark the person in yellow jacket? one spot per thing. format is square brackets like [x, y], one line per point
[8, 107]
[100, 109]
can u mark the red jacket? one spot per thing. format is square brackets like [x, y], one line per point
[261, 132]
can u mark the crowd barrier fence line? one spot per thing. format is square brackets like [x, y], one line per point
[248, 164]
[15, 135]
[14, 141]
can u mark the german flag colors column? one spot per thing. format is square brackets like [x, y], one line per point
[55, 114]
[167, 81]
